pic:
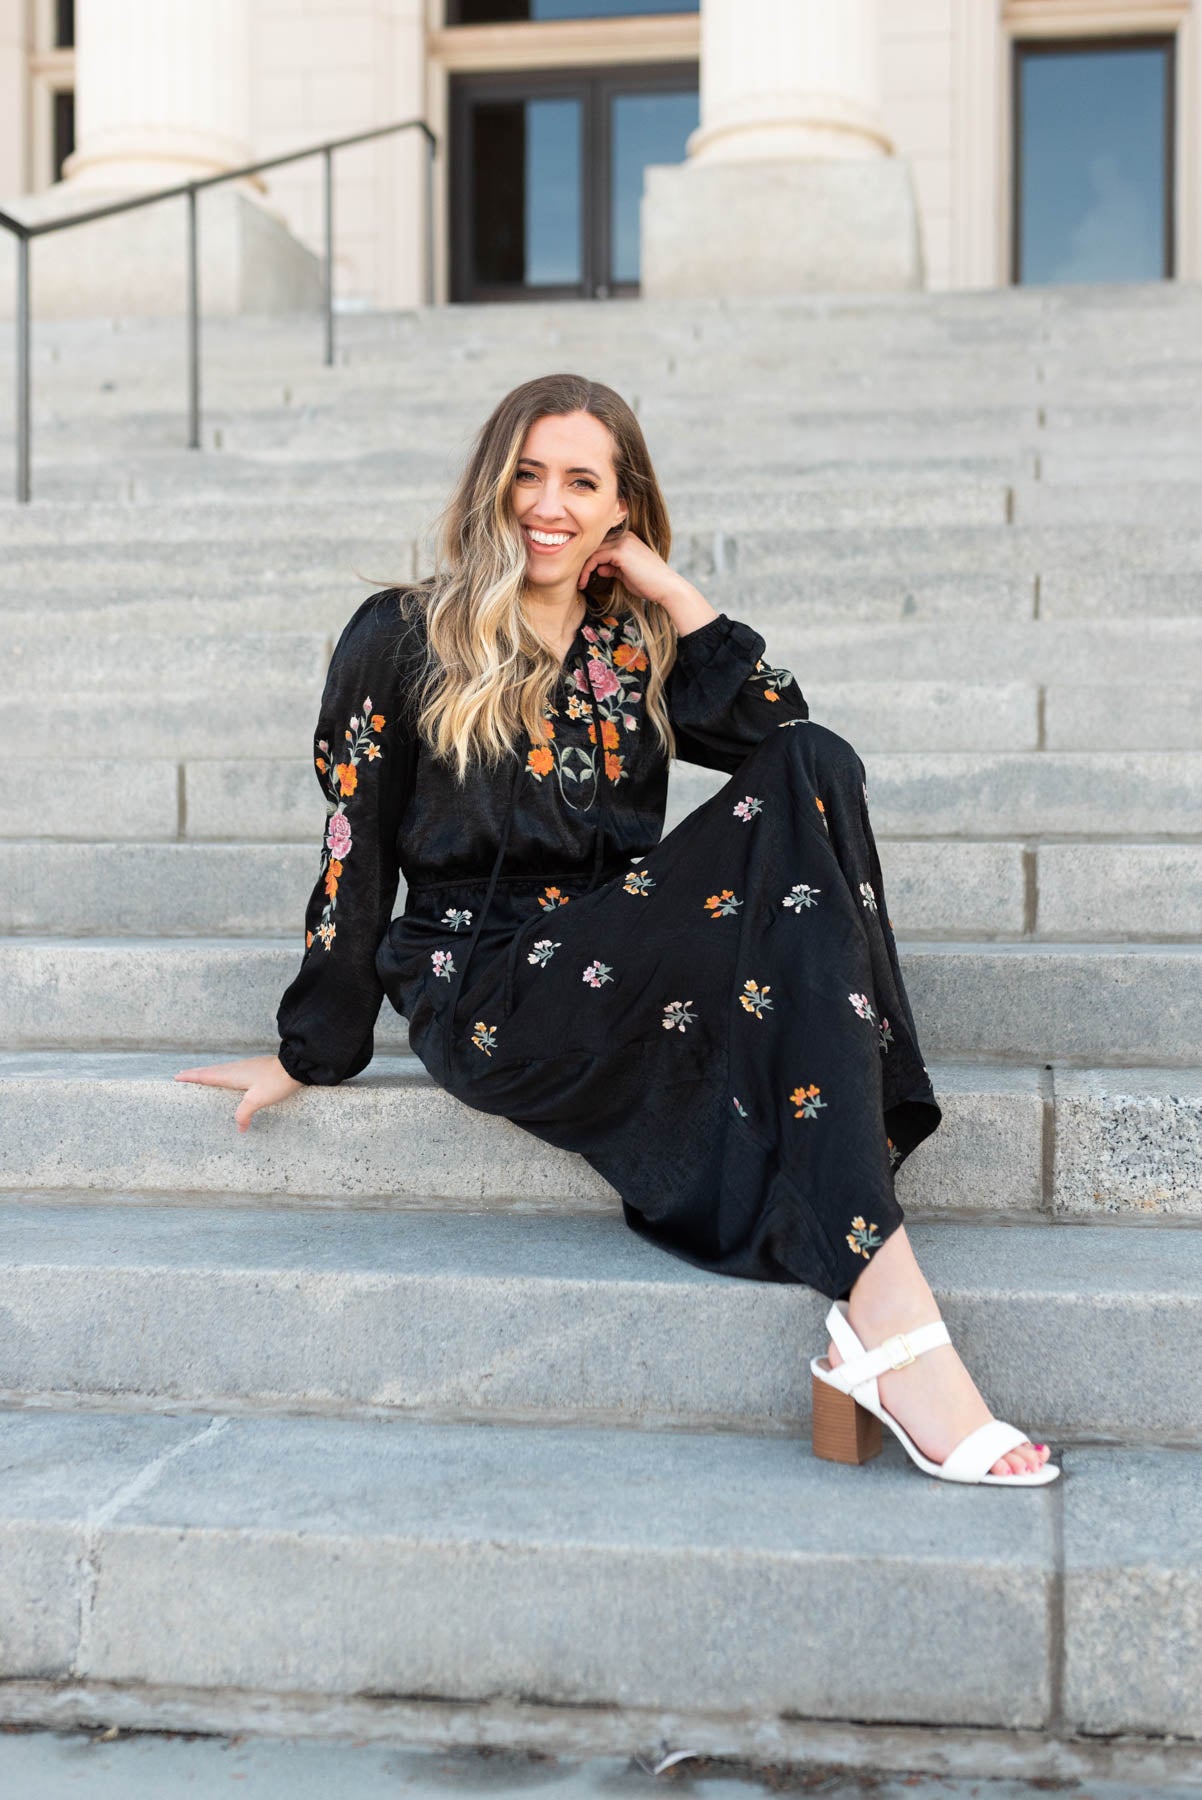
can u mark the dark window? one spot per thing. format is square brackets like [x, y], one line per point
[507, 12]
[64, 24]
[1093, 161]
[547, 176]
[64, 129]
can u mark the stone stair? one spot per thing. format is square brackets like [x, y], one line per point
[380, 1403]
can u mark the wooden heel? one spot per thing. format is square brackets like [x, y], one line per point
[843, 1431]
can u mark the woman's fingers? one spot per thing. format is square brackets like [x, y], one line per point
[230, 1074]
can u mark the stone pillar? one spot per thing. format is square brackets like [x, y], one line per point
[791, 183]
[162, 96]
[161, 92]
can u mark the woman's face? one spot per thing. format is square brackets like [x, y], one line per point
[565, 487]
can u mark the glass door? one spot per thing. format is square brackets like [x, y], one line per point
[547, 176]
[1093, 160]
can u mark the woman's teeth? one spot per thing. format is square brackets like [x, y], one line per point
[550, 540]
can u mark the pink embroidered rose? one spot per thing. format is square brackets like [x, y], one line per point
[604, 681]
[338, 837]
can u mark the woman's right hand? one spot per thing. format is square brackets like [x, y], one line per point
[264, 1079]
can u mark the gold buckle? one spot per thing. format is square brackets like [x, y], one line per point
[894, 1345]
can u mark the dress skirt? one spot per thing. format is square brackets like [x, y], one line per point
[721, 1029]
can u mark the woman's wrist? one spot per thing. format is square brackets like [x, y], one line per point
[687, 607]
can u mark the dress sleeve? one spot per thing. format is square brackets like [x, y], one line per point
[364, 754]
[724, 695]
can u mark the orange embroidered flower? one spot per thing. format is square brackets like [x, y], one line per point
[819, 805]
[592, 734]
[540, 762]
[348, 777]
[770, 695]
[630, 656]
[613, 765]
[308, 939]
[551, 897]
[332, 874]
[609, 734]
[377, 721]
[321, 763]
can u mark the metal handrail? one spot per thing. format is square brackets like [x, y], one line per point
[23, 233]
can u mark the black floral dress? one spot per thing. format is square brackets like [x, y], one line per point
[714, 1019]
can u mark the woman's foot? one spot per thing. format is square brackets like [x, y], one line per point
[934, 1398]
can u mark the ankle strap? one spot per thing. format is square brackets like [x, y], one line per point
[897, 1352]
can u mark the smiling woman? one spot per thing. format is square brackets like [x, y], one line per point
[714, 1019]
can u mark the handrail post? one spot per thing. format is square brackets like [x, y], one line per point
[23, 369]
[193, 328]
[429, 221]
[327, 160]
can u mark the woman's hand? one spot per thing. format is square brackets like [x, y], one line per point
[264, 1078]
[644, 572]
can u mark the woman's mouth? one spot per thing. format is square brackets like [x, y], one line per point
[547, 543]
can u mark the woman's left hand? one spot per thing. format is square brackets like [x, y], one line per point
[640, 568]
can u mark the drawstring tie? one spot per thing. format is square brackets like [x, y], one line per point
[598, 858]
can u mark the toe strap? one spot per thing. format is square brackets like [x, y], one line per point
[976, 1454]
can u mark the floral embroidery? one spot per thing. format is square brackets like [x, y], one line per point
[772, 678]
[444, 963]
[597, 972]
[617, 660]
[867, 895]
[747, 807]
[677, 1014]
[784, 722]
[738, 1106]
[484, 1037]
[860, 1002]
[863, 1238]
[551, 897]
[807, 1102]
[637, 881]
[864, 791]
[894, 1153]
[723, 905]
[822, 811]
[801, 894]
[542, 951]
[340, 783]
[456, 916]
[754, 998]
[886, 1035]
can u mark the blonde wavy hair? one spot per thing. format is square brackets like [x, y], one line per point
[487, 671]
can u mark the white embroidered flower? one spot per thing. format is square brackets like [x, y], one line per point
[543, 950]
[444, 963]
[867, 895]
[860, 1002]
[676, 1013]
[747, 808]
[801, 894]
[596, 973]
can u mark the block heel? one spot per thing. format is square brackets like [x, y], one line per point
[848, 1414]
[843, 1431]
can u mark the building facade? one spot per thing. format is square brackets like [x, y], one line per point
[792, 143]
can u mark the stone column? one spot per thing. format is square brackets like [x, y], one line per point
[791, 183]
[162, 96]
[161, 92]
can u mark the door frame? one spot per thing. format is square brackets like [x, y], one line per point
[1028, 50]
[595, 85]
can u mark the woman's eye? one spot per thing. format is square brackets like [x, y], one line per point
[580, 481]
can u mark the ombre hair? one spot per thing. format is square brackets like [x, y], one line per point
[487, 672]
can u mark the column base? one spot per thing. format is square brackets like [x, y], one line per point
[781, 227]
[135, 263]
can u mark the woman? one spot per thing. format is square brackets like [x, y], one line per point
[716, 1020]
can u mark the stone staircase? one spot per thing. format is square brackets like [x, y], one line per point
[376, 1416]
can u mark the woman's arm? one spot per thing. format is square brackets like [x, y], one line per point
[724, 693]
[364, 756]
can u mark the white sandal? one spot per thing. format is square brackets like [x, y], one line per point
[848, 1414]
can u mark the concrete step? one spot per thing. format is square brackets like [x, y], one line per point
[1160, 652]
[273, 1307]
[935, 887]
[1024, 1001]
[1078, 1142]
[275, 1556]
[183, 722]
[1099, 794]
